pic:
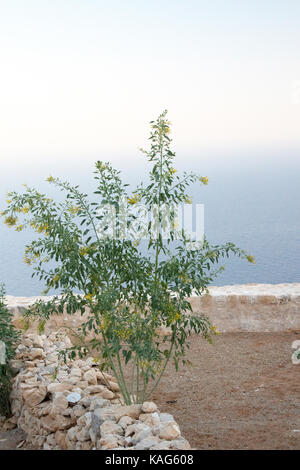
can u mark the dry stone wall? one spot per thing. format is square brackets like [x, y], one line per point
[76, 406]
[246, 307]
[252, 307]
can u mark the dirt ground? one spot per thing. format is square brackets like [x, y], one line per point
[241, 393]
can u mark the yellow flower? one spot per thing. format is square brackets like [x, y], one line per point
[27, 260]
[134, 199]
[19, 228]
[123, 334]
[204, 179]
[251, 259]
[177, 317]
[84, 250]
[56, 278]
[40, 228]
[89, 297]
[10, 221]
[175, 224]
[100, 166]
[167, 128]
[8, 201]
[74, 209]
[25, 209]
[172, 171]
[214, 330]
[30, 257]
[50, 179]
[188, 200]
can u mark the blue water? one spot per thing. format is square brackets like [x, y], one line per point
[256, 208]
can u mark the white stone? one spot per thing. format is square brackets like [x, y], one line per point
[73, 397]
[149, 407]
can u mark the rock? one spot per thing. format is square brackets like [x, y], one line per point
[34, 396]
[98, 417]
[83, 434]
[166, 418]
[36, 353]
[111, 441]
[36, 340]
[140, 436]
[86, 401]
[72, 433]
[107, 394]
[72, 379]
[150, 419]
[58, 387]
[125, 421]
[73, 397]
[98, 403]
[59, 404]
[109, 427]
[57, 422]
[149, 407]
[8, 425]
[76, 372]
[162, 445]
[180, 444]
[135, 429]
[147, 443]
[78, 411]
[133, 411]
[86, 445]
[114, 386]
[169, 431]
[93, 389]
[48, 370]
[82, 384]
[16, 365]
[93, 435]
[91, 377]
[60, 439]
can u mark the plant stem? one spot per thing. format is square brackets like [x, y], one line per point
[162, 371]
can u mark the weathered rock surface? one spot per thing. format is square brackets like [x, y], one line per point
[76, 406]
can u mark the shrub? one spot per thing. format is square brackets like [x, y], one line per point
[132, 298]
[8, 337]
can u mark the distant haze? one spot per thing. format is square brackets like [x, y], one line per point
[81, 79]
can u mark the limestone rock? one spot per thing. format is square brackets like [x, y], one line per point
[125, 421]
[91, 377]
[34, 396]
[149, 407]
[58, 387]
[169, 431]
[147, 443]
[109, 427]
[73, 397]
[57, 422]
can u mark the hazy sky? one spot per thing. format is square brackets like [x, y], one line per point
[82, 79]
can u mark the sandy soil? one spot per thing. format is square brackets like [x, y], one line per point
[241, 393]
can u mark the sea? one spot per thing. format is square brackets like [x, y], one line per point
[255, 207]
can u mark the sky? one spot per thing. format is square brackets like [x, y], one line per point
[80, 80]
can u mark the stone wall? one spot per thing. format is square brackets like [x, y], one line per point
[252, 307]
[248, 307]
[76, 406]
